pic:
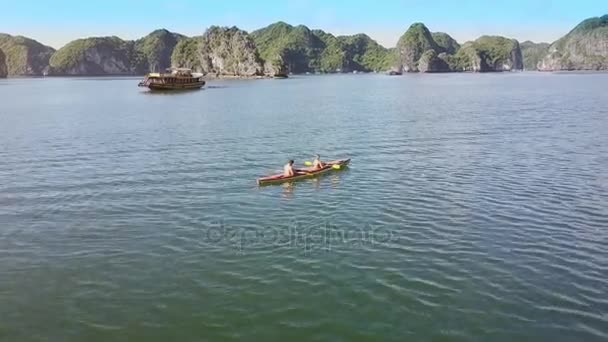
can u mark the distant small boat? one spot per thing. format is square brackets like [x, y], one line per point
[174, 79]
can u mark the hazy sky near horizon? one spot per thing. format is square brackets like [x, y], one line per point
[57, 22]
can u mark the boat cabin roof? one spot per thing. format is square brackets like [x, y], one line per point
[180, 71]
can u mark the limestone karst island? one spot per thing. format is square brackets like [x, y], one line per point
[304, 170]
[280, 49]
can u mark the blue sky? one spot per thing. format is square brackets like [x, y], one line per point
[59, 21]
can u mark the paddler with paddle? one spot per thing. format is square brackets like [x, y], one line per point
[317, 164]
[289, 171]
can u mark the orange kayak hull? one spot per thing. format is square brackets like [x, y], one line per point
[280, 178]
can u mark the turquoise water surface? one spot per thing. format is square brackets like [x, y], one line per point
[475, 208]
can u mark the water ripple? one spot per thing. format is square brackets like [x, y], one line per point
[460, 218]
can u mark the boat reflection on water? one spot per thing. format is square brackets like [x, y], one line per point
[288, 190]
[333, 180]
[180, 92]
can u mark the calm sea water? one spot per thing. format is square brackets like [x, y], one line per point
[475, 208]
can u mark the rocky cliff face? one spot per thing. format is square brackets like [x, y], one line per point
[412, 45]
[533, 53]
[94, 56]
[24, 56]
[282, 48]
[489, 53]
[276, 68]
[430, 61]
[229, 52]
[419, 50]
[3, 68]
[583, 48]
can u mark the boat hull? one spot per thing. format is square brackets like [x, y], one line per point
[157, 86]
[279, 178]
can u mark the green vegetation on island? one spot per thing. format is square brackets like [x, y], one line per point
[186, 54]
[3, 67]
[280, 49]
[332, 56]
[24, 56]
[533, 53]
[114, 56]
[583, 48]
[304, 50]
[412, 45]
[298, 47]
[365, 54]
[153, 52]
[419, 50]
[93, 56]
[445, 42]
[488, 53]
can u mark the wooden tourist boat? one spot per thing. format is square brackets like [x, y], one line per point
[174, 79]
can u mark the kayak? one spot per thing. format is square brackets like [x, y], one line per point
[304, 173]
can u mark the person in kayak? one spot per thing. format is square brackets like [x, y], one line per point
[288, 170]
[317, 164]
